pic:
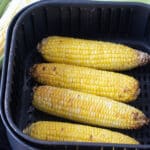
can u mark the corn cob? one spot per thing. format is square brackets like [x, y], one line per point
[96, 54]
[87, 108]
[60, 131]
[103, 83]
[13, 7]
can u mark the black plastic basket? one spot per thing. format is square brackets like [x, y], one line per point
[15, 142]
[127, 23]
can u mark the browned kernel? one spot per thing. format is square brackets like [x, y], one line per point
[135, 115]
[43, 68]
[126, 90]
[78, 96]
[54, 68]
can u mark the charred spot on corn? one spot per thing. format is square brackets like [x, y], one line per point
[140, 118]
[43, 68]
[54, 68]
[143, 58]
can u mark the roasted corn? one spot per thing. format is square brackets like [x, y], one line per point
[87, 108]
[59, 131]
[96, 54]
[103, 83]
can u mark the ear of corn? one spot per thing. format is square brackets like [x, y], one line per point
[13, 7]
[103, 83]
[87, 108]
[96, 54]
[59, 131]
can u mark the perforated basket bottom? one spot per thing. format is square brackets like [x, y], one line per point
[124, 23]
[29, 114]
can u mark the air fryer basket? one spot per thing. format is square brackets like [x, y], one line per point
[127, 23]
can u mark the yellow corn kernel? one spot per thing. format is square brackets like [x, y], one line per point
[60, 131]
[87, 108]
[102, 83]
[96, 54]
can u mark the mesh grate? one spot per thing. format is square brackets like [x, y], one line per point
[102, 22]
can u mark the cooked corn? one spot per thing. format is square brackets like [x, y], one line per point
[96, 54]
[87, 108]
[59, 131]
[103, 83]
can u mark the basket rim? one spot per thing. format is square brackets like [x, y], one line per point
[5, 114]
